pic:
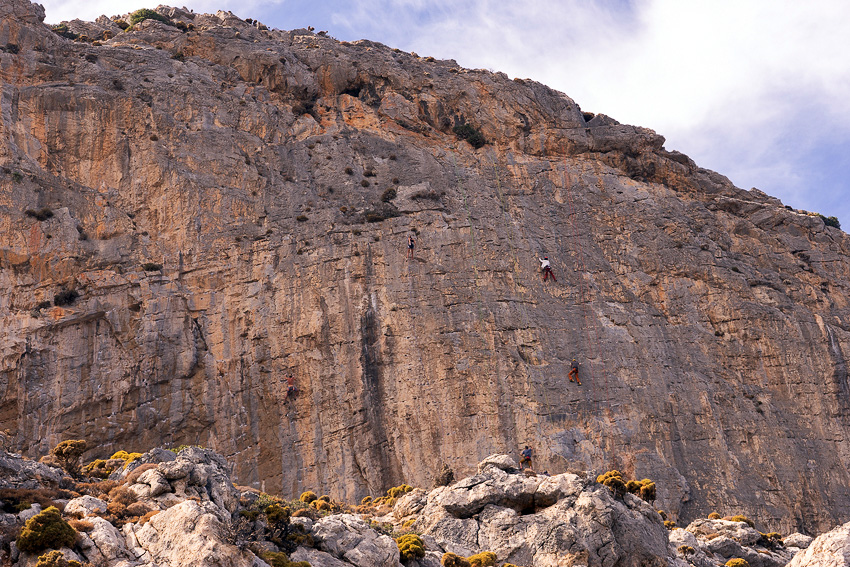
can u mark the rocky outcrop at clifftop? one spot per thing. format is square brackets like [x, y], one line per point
[191, 212]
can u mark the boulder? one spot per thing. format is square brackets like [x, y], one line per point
[188, 534]
[33, 510]
[503, 462]
[104, 544]
[18, 472]
[85, 506]
[542, 521]
[351, 539]
[831, 549]
[798, 540]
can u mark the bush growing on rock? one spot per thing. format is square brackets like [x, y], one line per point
[613, 480]
[714, 516]
[452, 560]
[66, 297]
[686, 550]
[46, 530]
[55, 558]
[277, 559]
[740, 518]
[470, 134]
[445, 477]
[15, 500]
[147, 14]
[126, 457]
[308, 496]
[483, 559]
[669, 524]
[410, 546]
[98, 468]
[68, 452]
[737, 563]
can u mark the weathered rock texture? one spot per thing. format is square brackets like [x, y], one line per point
[711, 321]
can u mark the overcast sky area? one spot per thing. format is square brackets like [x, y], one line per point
[757, 90]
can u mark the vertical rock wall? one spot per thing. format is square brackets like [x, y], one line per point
[219, 202]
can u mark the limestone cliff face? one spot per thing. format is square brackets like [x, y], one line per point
[248, 163]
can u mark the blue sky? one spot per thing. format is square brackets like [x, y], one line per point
[756, 90]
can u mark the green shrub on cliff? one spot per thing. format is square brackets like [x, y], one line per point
[740, 518]
[470, 134]
[147, 14]
[308, 496]
[98, 468]
[55, 558]
[483, 559]
[410, 546]
[46, 530]
[276, 559]
[613, 480]
[68, 454]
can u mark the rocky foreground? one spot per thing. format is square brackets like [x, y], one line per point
[169, 509]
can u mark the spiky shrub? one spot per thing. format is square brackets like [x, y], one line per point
[130, 458]
[714, 516]
[613, 480]
[483, 559]
[275, 513]
[647, 490]
[325, 497]
[410, 546]
[452, 560]
[98, 468]
[147, 14]
[740, 518]
[68, 454]
[277, 559]
[46, 530]
[686, 550]
[737, 563]
[669, 524]
[321, 505]
[308, 496]
[366, 500]
[397, 491]
[55, 558]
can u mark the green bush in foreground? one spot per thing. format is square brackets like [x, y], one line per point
[46, 530]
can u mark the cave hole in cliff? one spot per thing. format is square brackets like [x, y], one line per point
[353, 90]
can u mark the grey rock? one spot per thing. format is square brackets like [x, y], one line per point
[85, 506]
[317, 558]
[33, 510]
[18, 472]
[349, 538]
[176, 469]
[798, 540]
[831, 549]
[503, 462]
